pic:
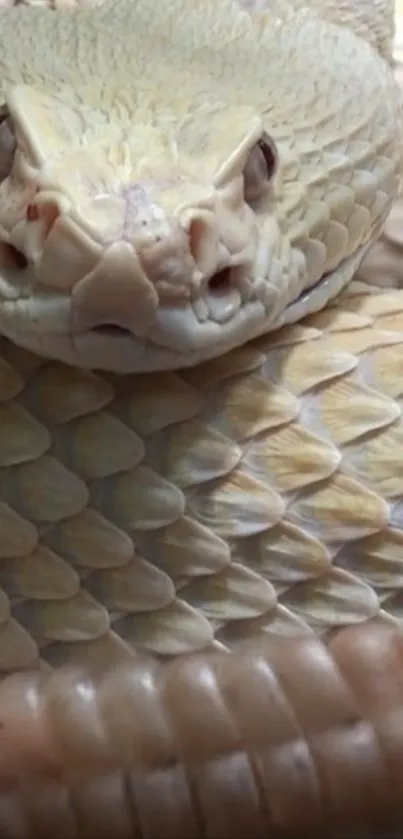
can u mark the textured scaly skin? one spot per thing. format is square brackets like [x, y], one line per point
[260, 492]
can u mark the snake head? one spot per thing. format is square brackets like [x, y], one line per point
[132, 246]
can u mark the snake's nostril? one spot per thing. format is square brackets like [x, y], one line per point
[11, 258]
[220, 282]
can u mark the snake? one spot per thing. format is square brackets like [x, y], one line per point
[201, 473]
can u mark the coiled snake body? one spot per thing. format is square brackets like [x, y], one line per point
[260, 490]
[177, 181]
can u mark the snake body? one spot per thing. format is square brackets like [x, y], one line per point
[255, 495]
[260, 491]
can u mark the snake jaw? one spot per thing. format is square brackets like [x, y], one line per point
[180, 289]
[120, 267]
[127, 282]
[170, 293]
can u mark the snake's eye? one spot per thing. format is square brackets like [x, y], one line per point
[260, 168]
[11, 259]
[8, 143]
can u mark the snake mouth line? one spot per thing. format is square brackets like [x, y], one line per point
[40, 319]
[220, 301]
[111, 331]
[218, 286]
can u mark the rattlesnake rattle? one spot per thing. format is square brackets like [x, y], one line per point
[282, 737]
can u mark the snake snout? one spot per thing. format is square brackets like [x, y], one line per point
[116, 297]
[176, 270]
[178, 255]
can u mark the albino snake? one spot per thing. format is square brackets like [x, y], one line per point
[178, 179]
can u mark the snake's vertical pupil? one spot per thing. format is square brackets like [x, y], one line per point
[260, 168]
[268, 148]
[11, 259]
[8, 143]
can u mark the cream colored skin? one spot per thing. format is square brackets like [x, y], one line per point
[134, 128]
